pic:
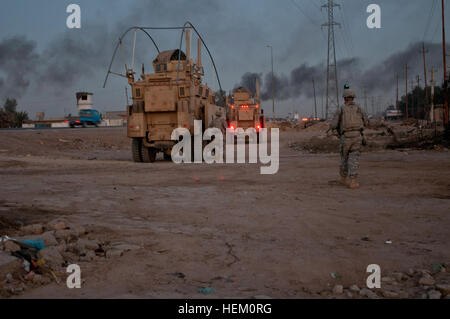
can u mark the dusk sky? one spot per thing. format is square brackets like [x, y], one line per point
[43, 63]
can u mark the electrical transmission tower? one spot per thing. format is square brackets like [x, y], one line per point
[332, 98]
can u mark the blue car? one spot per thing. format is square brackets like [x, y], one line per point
[87, 117]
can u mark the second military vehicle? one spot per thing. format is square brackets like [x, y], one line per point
[245, 110]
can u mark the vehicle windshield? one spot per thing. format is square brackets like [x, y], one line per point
[86, 114]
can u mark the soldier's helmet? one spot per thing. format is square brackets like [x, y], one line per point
[348, 93]
[218, 113]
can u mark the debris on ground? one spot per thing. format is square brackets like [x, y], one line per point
[206, 290]
[379, 135]
[411, 284]
[40, 254]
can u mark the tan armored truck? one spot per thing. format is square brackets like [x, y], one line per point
[245, 110]
[171, 97]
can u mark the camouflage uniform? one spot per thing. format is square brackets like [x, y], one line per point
[350, 142]
[219, 123]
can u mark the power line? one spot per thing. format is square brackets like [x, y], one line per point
[436, 29]
[344, 51]
[316, 23]
[430, 17]
[315, 4]
[348, 33]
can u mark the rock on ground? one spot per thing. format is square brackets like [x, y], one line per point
[390, 294]
[87, 244]
[57, 225]
[354, 288]
[427, 281]
[434, 294]
[65, 234]
[35, 229]
[368, 293]
[444, 289]
[11, 246]
[338, 289]
[9, 264]
[49, 239]
[52, 257]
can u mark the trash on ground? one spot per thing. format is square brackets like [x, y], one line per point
[206, 290]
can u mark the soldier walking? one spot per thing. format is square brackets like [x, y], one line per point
[348, 124]
[220, 123]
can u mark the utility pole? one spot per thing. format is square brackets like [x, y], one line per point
[323, 114]
[425, 75]
[380, 107]
[417, 96]
[331, 103]
[413, 106]
[315, 101]
[396, 98]
[406, 87]
[432, 96]
[445, 67]
[365, 101]
[373, 106]
[273, 83]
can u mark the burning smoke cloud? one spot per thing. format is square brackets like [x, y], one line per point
[378, 78]
[59, 65]
[18, 61]
[73, 57]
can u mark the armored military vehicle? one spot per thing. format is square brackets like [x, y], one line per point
[171, 97]
[245, 110]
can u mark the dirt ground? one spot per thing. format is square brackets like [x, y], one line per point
[226, 226]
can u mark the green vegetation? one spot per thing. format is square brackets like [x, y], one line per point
[9, 116]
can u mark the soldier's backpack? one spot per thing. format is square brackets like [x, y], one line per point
[351, 118]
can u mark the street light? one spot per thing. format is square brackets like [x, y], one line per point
[273, 84]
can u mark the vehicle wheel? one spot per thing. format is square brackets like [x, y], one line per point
[148, 154]
[136, 149]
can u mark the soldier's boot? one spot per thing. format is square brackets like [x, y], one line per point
[353, 183]
[344, 180]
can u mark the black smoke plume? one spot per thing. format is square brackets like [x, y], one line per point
[376, 79]
[18, 62]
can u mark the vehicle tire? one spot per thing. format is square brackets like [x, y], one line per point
[148, 154]
[136, 149]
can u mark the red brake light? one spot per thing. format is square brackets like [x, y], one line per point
[131, 126]
[78, 121]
